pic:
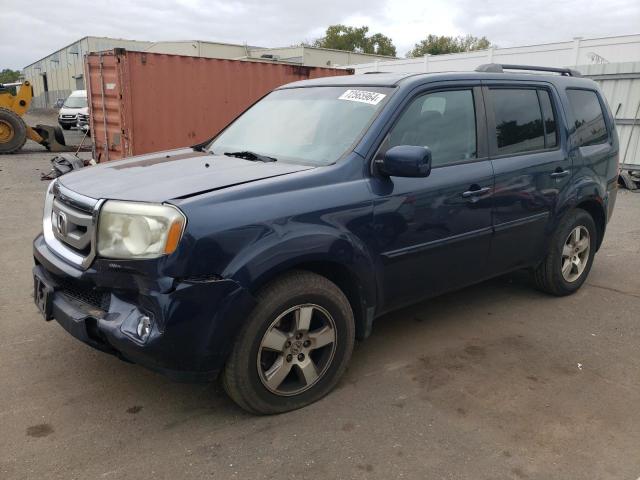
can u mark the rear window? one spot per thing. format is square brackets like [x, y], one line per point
[591, 128]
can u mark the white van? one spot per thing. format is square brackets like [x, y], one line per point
[75, 104]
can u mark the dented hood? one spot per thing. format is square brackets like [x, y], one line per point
[169, 175]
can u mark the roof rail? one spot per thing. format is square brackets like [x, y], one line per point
[500, 68]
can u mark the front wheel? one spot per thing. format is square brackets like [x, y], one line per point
[13, 131]
[570, 257]
[294, 347]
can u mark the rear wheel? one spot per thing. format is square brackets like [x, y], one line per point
[294, 347]
[570, 257]
[13, 131]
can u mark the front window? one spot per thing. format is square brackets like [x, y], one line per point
[314, 126]
[75, 102]
[445, 122]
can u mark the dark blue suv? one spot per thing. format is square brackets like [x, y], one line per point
[264, 253]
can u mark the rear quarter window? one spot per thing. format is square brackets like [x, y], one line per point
[589, 123]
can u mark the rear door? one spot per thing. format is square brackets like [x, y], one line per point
[532, 169]
[433, 234]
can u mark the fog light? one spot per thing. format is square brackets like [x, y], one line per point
[144, 327]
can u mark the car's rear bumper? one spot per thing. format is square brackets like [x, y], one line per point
[193, 324]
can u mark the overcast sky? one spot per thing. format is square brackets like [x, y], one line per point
[32, 29]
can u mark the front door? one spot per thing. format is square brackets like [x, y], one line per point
[532, 170]
[433, 234]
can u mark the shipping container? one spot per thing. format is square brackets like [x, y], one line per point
[144, 102]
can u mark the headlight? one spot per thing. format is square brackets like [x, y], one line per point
[138, 230]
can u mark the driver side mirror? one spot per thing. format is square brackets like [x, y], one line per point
[405, 161]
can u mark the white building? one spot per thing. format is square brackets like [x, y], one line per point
[299, 55]
[56, 75]
[62, 71]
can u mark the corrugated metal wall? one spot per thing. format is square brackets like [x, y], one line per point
[64, 68]
[145, 102]
[620, 83]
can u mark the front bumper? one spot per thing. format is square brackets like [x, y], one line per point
[68, 121]
[193, 324]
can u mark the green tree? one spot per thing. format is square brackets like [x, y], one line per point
[9, 76]
[355, 39]
[440, 44]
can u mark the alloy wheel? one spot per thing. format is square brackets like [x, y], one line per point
[297, 349]
[575, 253]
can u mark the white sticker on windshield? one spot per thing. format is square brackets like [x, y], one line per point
[372, 98]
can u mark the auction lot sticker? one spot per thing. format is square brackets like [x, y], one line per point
[372, 98]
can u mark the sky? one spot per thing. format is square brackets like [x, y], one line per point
[33, 29]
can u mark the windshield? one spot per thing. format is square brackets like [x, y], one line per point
[75, 102]
[313, 126]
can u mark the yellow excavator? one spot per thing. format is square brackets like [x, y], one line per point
[14, 131]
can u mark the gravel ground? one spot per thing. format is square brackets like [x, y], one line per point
[496, 381]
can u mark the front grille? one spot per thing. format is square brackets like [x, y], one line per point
[69, 224]
[68, 117]
[72, 226]
[85, 293]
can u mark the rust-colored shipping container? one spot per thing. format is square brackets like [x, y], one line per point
[145, 102]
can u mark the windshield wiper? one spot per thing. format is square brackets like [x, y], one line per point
[254, 157]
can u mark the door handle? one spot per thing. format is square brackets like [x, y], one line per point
[559, 173]
[475, 192]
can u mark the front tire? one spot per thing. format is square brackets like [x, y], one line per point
[13, 131]
[294, 347]
[570, 257]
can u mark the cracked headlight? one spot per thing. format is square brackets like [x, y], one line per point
[129, 230]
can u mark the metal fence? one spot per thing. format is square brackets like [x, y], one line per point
[620, 83]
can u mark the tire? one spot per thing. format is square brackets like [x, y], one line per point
[59, 136]
[13, 131]
[250, 362]
[549, 276]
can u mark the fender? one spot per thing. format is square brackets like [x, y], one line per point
[585, 190]
[333, 253]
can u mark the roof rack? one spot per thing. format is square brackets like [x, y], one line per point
[500, 68]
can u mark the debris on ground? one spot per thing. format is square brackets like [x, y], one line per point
[65, 163]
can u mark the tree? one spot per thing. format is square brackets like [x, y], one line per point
[9, 76]
[440, 44]
[355, 39]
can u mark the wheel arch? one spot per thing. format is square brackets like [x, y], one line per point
[596, 209]
[359, 292]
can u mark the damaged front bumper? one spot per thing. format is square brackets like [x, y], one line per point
[193, 324]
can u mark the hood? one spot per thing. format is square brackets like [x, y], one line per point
[73, 111]
[169, 175]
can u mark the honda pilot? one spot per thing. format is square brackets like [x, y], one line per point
[260, 256]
